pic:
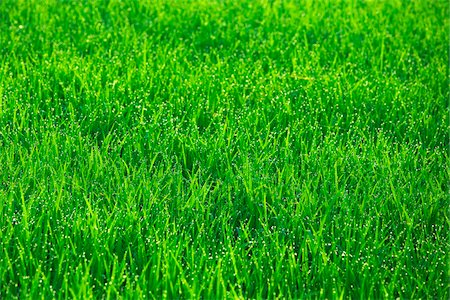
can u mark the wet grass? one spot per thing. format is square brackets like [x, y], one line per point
[224, 149]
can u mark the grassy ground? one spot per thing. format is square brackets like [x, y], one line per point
[224, 149]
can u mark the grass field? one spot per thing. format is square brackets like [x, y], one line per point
[224, 149]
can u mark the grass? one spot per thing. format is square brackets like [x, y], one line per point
[224, 149]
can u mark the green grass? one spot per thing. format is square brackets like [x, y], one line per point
[224, 149]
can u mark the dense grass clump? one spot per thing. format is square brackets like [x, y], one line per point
[224, 149]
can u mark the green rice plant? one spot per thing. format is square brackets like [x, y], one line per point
[224, 149]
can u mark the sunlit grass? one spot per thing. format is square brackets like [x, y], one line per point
[224, 149]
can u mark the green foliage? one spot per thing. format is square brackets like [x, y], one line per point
[224, 149]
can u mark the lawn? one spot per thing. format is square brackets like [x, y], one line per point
[210, 149]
